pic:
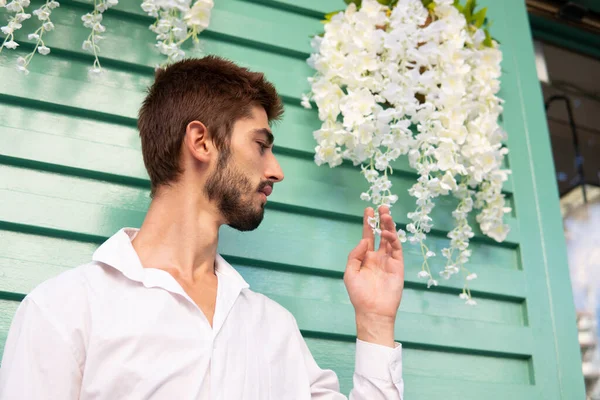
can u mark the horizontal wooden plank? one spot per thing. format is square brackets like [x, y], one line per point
[456, 376]
[414, 300]
[322, 319]
[313, 8]
[428, 388]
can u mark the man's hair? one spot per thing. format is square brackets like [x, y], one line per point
[211, 90]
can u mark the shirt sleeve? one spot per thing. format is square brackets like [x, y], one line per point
[38, 362]
[377, 373]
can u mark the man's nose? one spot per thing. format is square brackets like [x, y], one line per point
[274, 172]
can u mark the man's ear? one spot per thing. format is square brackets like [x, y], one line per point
[198, 142]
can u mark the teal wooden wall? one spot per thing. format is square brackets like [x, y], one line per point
[71, 174]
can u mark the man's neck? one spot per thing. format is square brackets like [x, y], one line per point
[180, 236]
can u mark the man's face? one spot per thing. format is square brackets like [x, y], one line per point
[244, 175]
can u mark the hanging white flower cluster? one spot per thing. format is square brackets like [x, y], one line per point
[176, 22]
[417, 79]
[93, 21]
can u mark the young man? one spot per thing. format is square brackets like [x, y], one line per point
[158, 314]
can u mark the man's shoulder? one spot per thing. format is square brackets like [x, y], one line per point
[70, 287]
[267, 306]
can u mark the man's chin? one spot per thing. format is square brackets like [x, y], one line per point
[249, 223]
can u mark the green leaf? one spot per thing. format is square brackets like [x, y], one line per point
[458, 6]
[468, 10]
[426, 3]
[473, 6]
[488, 39]
[330, 15]
[479, 17]
[384, 2]
[357, 2]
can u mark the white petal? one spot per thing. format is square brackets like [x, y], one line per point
[43, 50]
[11, 44]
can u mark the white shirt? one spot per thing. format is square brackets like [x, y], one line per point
[112, 330]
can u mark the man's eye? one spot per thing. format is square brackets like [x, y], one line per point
[263, 147]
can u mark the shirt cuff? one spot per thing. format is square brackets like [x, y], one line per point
[378, 362]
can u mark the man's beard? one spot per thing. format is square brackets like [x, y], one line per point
[229, 187]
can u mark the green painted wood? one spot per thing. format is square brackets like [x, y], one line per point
[464, 380]
[556, 359]
[71, 174]
[564, 35]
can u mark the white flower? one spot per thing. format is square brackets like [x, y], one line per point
[150, 7]
[42, 14]
[470, 277]
[43, 50]
[402, 236]
[33, 36]
[14, 6]
[431, 282]
[429, 254]
[372, 221]
[445, 274]
[2, 3]
[11, 44]
[463, 296]
[199, 15]
[89, 20]
[22, 69]
[20, 17]
[305, 101]
[370, 175]
[365, 196]
[87, 45]
[95, 72]
[471, 302]
[423, 274]
[21, 62]
[48, 26]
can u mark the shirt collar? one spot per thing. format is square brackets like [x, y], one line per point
[118, 252]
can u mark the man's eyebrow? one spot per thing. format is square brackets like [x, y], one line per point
[267, 133]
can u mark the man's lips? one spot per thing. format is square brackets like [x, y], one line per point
[267, 190]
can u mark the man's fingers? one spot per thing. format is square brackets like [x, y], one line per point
[356, 256]
[367, 230]
[390, 237]
[386, 224]
[384, 210]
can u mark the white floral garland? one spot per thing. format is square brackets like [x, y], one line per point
[417, 79]
[176, 22]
